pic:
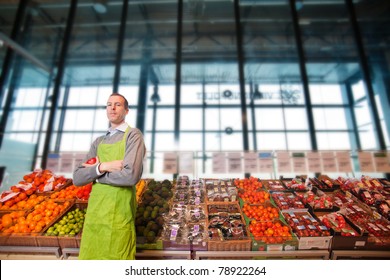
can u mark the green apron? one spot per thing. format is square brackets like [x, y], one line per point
[109, 230]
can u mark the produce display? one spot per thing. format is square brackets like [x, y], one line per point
[185, 223]
[264, 212]
[295, 184]
[287, 200]
[69, 225]
[317, 200]
[270, 232]
[37, 182]
[73, 192]
[305, 225]
[154, 203]
[273, 185]
[35, 221]
[225, 222]
[337, 222]
[220, 191]
[214, 214]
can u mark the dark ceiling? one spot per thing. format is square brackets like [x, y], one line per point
[209, 48]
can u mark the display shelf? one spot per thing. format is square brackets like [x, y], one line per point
[356, 254]
[66, 252]
[301, 254]
[30, 249]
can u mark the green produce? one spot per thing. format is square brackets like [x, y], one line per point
[69, 225]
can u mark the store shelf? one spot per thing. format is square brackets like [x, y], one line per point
[355, 254]
[31, 250]
[302, 254]
[140, 254]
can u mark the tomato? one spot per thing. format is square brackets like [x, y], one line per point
[91, 161]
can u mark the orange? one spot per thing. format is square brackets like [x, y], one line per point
[6, 220]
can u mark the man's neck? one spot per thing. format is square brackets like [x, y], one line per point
[113, 125]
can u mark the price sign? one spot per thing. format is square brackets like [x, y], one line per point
[382, 162]
[266, 162]
[328, 162]
[67, 162]
[170, 163]
[79, 158]
[234, 163]
[299, 162]
[186, 162]
[343, 162]
[53, 162]
[284, 162]
[219, 163]
[250, 162]
[314, 162]
[365, 161]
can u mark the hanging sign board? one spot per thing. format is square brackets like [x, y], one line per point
[170, 163]
[234, 163]
[53, 162]
[366, 162]
[266, 162]
[328, 162]
[219, 163]
[186, 162]
[382, 162]
[314, 162]
[284, 162]
[67, 163]
[79, 158]
[343, 162]
[250, 162]
[299, 162]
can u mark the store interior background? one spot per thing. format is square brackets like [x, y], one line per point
[201, 76]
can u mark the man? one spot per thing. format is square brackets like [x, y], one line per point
[109, 231]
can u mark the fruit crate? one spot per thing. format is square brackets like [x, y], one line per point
[273, 185]
[340, 242]
[241, 242]
[143, 245]
[186, 236]
[67, 183]
[295, 220]
[275, 243]
[62, 241]
[18, 239]
[327, 184]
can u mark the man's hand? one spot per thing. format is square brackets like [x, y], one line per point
[111, 166]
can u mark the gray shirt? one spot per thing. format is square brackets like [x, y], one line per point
[132, 162]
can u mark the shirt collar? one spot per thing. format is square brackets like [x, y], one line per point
[121, 127]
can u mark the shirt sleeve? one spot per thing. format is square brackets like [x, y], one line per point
[84, 175]
[132, 162]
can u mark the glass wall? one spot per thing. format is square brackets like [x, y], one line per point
[275, 99]
[30, 81]
[374, 25]
[294, 100]
[210, 116]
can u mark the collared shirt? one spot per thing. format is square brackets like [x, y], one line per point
[111, 131]
[122, 127]
[132, 161]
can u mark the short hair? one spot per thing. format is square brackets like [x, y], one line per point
[126, 102]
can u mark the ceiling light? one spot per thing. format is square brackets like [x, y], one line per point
[100, 6]
[257, 94]
[299, 5]
[155, 98]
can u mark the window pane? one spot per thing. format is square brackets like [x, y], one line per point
[329, 119]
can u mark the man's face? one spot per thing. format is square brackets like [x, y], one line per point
[116, 111]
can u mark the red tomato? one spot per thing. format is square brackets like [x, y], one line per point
[91, 161]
